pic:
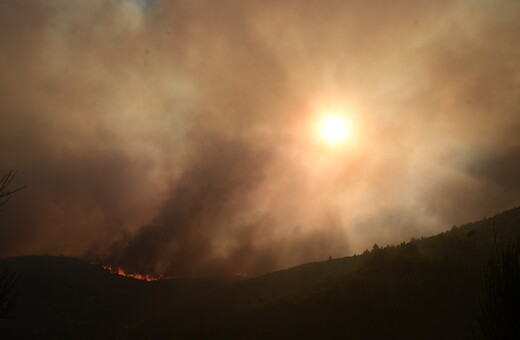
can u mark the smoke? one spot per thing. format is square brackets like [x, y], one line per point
[176, 137]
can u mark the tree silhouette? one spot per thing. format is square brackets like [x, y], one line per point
[8, 278]
[5, 193]
[500, 303]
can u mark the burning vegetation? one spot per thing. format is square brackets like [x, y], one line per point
[147, 277]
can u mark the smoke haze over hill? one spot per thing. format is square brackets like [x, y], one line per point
[173, 136]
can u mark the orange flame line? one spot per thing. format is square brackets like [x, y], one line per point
[147, 277]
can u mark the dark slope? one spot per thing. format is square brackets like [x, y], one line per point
[425, 289]
[60, 297]
[66, 298]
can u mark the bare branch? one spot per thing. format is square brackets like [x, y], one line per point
[5, 193]
[8, 278]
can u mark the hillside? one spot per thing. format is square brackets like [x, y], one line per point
[427, 288]
[66, 298]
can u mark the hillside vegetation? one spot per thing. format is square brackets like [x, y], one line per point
[428, 288]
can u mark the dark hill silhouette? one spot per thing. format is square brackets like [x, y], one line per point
[67, 298]
[428, 288]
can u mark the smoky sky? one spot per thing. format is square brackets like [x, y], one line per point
[175, 137]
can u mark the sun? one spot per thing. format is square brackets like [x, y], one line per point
[334, 129]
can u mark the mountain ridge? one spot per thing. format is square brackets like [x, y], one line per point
[428, 286]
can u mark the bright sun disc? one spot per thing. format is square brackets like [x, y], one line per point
[334, 129]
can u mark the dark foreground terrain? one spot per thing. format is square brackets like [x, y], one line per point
[424, 289]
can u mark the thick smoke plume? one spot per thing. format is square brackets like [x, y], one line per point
[176, 137]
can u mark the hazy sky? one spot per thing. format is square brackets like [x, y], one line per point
[179, 137]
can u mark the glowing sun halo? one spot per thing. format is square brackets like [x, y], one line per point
[334, 129]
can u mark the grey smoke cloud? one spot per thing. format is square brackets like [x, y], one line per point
[175, 137]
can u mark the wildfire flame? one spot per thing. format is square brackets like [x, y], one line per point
[147, 277]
